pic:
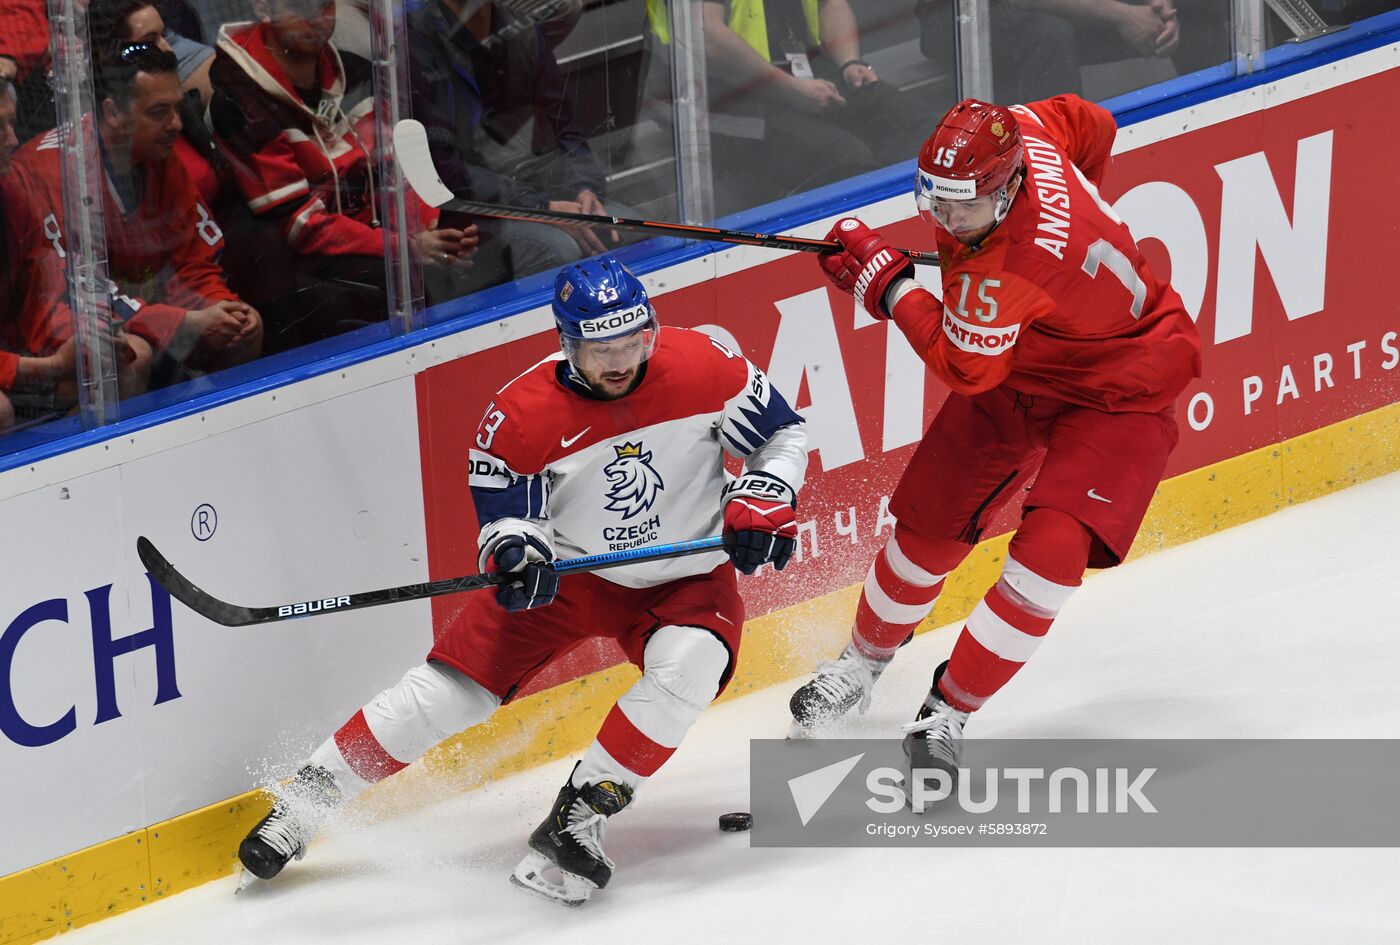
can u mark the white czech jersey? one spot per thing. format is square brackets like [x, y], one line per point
[645, 469]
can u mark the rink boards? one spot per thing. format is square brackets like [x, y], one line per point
[131, 730]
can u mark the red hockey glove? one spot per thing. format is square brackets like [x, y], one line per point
[867, 265]
[760, 522]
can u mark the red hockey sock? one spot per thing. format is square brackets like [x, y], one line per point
[684, 666]
[900, 590]
[1046, 562]
[363, 753]
[996, 642]
[630, 747]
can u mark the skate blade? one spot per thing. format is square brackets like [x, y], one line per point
[529, 875]
[801, 731]
[798, 732]
[245, 880]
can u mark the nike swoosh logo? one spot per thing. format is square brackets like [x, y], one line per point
[573, 439]
[1094, 495]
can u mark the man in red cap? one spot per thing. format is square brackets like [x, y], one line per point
[1064, 356]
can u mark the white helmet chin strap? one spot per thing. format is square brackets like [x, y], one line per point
[1007, 193]
[1003, 205]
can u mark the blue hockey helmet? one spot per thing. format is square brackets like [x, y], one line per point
[602, 311]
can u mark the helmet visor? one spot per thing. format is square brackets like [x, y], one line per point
[617, 355]
[959, 215]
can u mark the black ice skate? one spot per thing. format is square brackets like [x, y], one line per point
[571, 840]
[283, 834]
[838, 686]
[934, 739]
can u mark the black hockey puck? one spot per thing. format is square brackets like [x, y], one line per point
[740, 820]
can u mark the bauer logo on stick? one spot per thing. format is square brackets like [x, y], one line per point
[312, 607]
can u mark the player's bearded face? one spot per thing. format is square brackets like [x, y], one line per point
[969, 221]
[610, 367]
[966, 219]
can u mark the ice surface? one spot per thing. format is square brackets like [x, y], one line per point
[1283, 628]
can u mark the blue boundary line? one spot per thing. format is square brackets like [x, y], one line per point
[650, 256]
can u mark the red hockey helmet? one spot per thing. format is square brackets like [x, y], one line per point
[966, 166]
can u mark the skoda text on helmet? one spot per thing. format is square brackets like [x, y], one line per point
[966, 167]
[605, 320]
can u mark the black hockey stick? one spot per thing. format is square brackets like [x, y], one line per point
[416, 161]
[232, 615]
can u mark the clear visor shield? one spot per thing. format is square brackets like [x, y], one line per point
[961, 213]
[603, 357]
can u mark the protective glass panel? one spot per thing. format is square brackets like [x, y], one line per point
[282, 142]
[1299, 27]
[534, 105]
[224, 158]
[38, 348]
[804, 93]
[65, 354]
[1105, 48]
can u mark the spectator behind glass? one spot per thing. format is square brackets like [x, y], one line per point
[114, 24]
[792, 104]
[557, 18]
[162, 243]
[138, 21]
[352, 19]
[489, 90]
[1038, 46]
[38, 372]
[296, 122]
[24, 41]
[24, 61]
[18, 280]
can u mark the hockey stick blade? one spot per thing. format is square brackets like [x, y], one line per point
[232, 615]
[186, 592]
[416, 161]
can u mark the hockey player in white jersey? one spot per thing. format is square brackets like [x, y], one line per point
[617, 442]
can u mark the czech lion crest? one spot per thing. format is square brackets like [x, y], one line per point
[633, 483]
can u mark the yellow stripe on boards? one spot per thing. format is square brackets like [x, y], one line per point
[75, 890]
[194, 848]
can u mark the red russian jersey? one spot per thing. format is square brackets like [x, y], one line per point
[161, 253]
[1057, 300]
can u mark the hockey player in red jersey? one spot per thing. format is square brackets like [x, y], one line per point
[617, 443]
[1064, 356]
